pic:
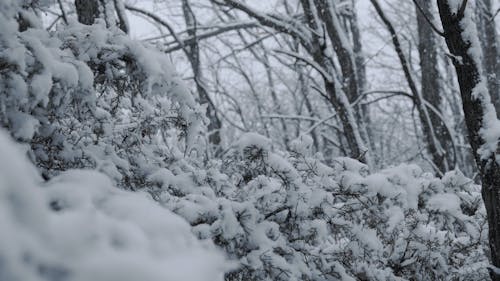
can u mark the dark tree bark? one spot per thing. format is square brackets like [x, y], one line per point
[90, 10]
[430, 86]
[475, 106]
[87, 11]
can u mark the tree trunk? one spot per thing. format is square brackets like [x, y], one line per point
[491, 56]
[317, 49]
[193, 54]
[477, 110]
[337, 96]
[340, 44]
[430, 86]
[87, 11]
[433, 146]
[363, 110]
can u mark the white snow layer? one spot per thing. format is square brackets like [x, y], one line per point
[79, 227]
[490, 130]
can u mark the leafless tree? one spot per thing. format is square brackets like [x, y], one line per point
[478, 111]
[192, 51]
[322, 20]
[430, 86]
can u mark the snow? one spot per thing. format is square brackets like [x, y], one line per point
[491, 125]
[303, 145]
[396, 216]
[490, 130]
[368, 237]
[494, 269]
[253, 139]
[280, 215]
[23, 125]
[445, 202]
[78, 226]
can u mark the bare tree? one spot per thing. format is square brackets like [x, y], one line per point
[312, 38]
[359, 61]
[430, 85]
[192, 51]
[434, 147]
[480, 116]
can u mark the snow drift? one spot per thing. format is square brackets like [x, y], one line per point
[78, 226]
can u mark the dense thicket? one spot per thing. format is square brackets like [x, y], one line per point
[130, 179]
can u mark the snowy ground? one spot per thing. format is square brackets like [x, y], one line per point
[78, 226]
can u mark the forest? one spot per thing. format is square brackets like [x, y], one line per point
[249, 140]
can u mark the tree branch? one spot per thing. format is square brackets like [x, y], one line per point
[312, 63]
[191, 39]
[461, 11]
[63, 13]
[160, 21]
[429, 21]
[270, 21]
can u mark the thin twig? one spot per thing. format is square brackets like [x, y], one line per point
[63, 13]
[441, 33]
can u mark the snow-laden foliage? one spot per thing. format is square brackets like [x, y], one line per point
[90, 97]
[291, 217]
[87, 96]
[78, 226]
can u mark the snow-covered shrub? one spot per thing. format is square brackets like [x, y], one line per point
[288, 216]
[90, 97]
[78, 226]
[87, 96]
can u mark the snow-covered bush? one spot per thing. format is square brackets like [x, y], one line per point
[288, 216]
[87, 96]
[90, 97]
[78, 226]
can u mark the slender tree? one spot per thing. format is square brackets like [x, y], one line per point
[192, 51]
[312, 37]
[430, 85]
[433, 146]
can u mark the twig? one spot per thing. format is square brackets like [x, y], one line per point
[63, 13]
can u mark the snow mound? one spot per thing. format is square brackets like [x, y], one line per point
[253, 139]
[78, 226]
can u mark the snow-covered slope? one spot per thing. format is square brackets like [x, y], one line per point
[79, 226]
